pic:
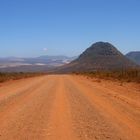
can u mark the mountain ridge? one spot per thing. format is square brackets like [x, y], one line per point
[134, 56]
[41, 63]
[99, 56]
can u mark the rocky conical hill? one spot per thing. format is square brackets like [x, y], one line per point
[100, 56]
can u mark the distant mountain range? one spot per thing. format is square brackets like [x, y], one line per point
[42, 63]
[134, 56]
[99, 56]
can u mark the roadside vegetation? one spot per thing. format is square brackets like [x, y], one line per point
[132, 75]
[15, 76]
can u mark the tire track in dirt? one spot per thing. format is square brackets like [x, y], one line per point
[28, 115]
[110, 109]
[88, 122]
[60, 122]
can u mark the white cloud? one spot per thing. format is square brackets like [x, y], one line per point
[45, 49]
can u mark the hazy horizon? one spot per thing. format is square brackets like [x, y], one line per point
[31, 28]
[36, 56]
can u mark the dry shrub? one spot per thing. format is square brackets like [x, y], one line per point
[129, 75]
[15, 76]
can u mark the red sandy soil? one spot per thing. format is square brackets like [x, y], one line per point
[67, 107]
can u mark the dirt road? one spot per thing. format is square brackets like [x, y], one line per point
[66, 107]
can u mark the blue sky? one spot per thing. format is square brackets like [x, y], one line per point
[67, 27]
